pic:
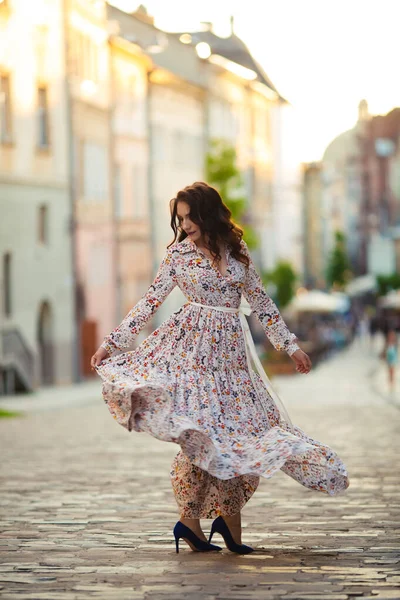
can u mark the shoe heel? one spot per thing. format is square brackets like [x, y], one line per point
[219, 526]
[211, 533]
[181, 531]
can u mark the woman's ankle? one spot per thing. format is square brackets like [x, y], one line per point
[194, 525]
[234, 523]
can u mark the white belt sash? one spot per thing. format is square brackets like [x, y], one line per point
[251, 355]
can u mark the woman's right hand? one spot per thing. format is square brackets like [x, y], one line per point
[97, 358]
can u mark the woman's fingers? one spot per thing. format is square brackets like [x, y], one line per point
[304, 364]
[95, 361]
[98, 357]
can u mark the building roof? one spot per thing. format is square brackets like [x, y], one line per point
[173, 56]
[342, 146]
[138, 27]
[386, 126]
[234, 49]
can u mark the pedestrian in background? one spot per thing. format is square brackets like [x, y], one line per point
[191, 381]
[390, 354]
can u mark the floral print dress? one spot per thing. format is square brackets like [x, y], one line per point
[188, 382]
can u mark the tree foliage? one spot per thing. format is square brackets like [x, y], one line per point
[386, 283]
[338, 269]
[283, 279]
[222, 173]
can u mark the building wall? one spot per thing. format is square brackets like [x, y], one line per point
[342, 194]
[130, 180]
[33, 174]
[312, 197]
[243, 115]
[285, 237]
[394, 181]
[89, 78]
[261, 168]
[177, 160]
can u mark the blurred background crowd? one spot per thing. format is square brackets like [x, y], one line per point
[291, 109]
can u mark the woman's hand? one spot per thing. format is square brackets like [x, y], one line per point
[302, 361]
[97, 358]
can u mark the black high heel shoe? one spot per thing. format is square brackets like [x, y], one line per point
[219, 526]
[196, 544]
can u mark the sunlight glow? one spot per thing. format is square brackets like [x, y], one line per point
[203, 50]
[324, 57]
[233, 67]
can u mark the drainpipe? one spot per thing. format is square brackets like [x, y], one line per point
[150, 175]
[76, 334]
[115, 219]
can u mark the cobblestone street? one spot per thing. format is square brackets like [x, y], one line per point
[88, 511]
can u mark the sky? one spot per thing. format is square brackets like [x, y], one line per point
[324, 56]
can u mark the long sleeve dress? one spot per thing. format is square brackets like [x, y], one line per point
[188, 382]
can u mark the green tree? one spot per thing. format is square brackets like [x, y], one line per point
[338, 269]
[283, 278]
[223, 174]
[386, 283]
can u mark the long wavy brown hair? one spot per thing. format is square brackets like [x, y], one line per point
[214, 219]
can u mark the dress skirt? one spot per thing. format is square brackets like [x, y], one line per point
[190, 383]
[195, 389]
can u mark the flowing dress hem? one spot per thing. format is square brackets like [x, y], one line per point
[279, 446]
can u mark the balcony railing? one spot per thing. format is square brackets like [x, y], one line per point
[17, 357]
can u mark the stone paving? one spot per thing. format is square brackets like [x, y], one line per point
[87, 510]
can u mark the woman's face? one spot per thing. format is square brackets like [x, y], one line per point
[183, 213]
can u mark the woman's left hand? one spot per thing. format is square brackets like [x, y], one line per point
[302, 361]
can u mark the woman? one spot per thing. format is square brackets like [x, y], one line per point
[391, 355]
[190, 382]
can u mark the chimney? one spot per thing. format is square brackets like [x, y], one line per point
[142, 14]
[206, 26]
[232, 20]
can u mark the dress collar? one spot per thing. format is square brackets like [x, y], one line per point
[186, 245]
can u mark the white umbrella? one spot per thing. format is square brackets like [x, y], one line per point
[361, 285]
[391, 300]
[318, 301]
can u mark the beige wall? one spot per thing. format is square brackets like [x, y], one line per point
[129, 69]
[241, 113]
[314, 260]
[90, 84]
[177, 159]
[94, 215]
[31, 176]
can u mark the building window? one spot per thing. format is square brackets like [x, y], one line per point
[95, 172]
[160, 137]
[5, 110]
[43, 225]
[179, 149]
[7, 284]
[118, 207]
[43, 118]
[84, 56]
[139, 186]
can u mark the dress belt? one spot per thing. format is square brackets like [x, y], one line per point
[251, 355]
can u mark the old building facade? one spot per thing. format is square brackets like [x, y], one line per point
[37, 314]
[101, 123]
